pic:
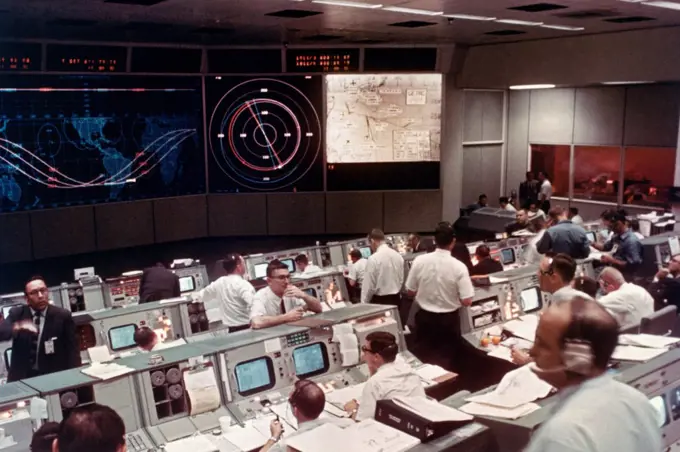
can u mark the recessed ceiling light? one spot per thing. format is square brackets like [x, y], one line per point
[468, 17]
[626, 83]
[422, 12]
[562, 27]
[543, 86]
[349, 4]
[668, 5]
[519, 22]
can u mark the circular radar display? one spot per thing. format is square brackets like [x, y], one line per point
[265, 134]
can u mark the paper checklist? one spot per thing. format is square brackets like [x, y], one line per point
[349, 344]
[637, 354]
[431, 410]
[647, 340]
[519, 387]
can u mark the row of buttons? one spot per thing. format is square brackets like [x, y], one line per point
[297, 338]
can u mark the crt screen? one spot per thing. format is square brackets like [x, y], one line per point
[591, 236]
[186, 284]
[122, 337]
[365, 252]
[309, 360]
[261, 270]
[531, 299]
[310, 291]
[290, 263]
[507, 256]
[252, 375]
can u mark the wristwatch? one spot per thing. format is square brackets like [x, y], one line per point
[274, 439]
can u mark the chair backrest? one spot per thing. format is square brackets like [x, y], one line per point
[661, 323]
[633, 328]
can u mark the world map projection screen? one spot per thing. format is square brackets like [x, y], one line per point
[264, 134]
[74, 140]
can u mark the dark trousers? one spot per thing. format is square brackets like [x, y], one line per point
[234, 329]
[392, 300]
[545, 207]
[438, 339]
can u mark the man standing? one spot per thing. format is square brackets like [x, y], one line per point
[628, 255]
[43, 335]
[280, 302]
[564, 237]
[545, 192]
[595, 412]
[417, 245]
[528, 190]
[626, 302]
[441, 285]
[384, 274]
[158, 283]
[355, 276]
[575, 217]
[233, 294]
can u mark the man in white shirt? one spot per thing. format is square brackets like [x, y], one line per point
[233, 294]
[355, 275]
[440, 284]
[390, 378]
[574, 217]
[545, 192]
[280, 302]
[303, 266]
[626, 302]
[594, 412]
[384, 275]
[505, 204]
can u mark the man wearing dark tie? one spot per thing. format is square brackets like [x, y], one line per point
[43, 336]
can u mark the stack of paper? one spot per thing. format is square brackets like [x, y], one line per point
[374, 435]
[431, 410]
[199, 443]
[478, 409]
[106, 371]
[429, 373]
[647, 340]
[349, 344]
[245, 438]
[340, 397]
[524, 327]
[637, 354]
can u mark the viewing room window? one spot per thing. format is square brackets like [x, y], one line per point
[647, 176]
[553, 159]
[597, 171]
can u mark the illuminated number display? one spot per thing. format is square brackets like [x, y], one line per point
[86, 58]
[322, 60]
[19, 57]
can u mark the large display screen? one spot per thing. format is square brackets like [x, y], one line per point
[507, 256]
[531, 299]
[254, 375]
[187, 284]
[383, 131]
[122, 337]
[310, 360]
[72, 140]
[261, 270]
[265, 134]
[674, 245]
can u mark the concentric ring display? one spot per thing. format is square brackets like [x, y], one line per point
[265, 134]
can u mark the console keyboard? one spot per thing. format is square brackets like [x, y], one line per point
[135, 443]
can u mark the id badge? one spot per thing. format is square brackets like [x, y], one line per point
[49, 347]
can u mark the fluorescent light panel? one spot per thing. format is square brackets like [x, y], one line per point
[668, 5]
[468, 17]
[519, 22]
[562, 27]
[422, 12]
[348, 4]
[540, 86]
[626, 83]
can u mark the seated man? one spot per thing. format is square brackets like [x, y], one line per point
[307, 402]
[44, 437]
[95, 428]
[595, 412]
[586, 285]
[485, 263]
[389, 378]
[303, 265]
[521, 222]
[505, 204]
[564, 237]
[146, 339]
[280, 302]
[628, 303]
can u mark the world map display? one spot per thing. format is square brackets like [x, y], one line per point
[81, 140]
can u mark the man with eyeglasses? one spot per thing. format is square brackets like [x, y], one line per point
[280, 302]
[628, 303]
[43, 335]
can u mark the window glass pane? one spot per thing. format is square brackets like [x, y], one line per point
[597, 172]
[553, 160]
[648, 174]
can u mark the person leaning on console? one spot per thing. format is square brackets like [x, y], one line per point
[594, 412]
[43, 335]
[390, 377]
[280, 302]
[563, 236]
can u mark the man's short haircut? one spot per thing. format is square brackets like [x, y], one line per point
[613, 216]
[482, 252]
[231, 262]
[309, 398]
[482, 196]
[376, 234]
[555, 213]
[573, 210]
[635, 225]
[384, 344]
[355, 253]
[275, 265]
[563, 265]
[144, 337]
[545, 173]
[301, 259]
[444, 234]
[612, 274]
[503, 200]
[95, 428]
[31, 279]
[587, 285]
[592, 323]
[44, 437]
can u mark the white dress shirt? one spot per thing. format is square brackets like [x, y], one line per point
[384, 274]
[600, 415]
[267, 303]
[357, 270]
[311, 268]
[440, 281]
[546, 189]
[510, 208]
[234, 296]
[567, 293]
[531, 255]
[629, 304]
[577, 219]
[395, 379]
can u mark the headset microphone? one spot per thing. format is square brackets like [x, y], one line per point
[541, 371]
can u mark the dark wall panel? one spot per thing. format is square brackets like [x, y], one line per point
[15, 238]
[518, 138]
[652, 115]
[407, 211]
[296, 213]
[348, 213]
[62, 232]
[599, 116]
[124, 225]
[242, 215]
[180, 218]
[551, 119]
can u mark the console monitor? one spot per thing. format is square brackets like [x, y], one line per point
[254, 375]
[187, 284]
[122, 337]
[530, 299]
[365, 252]
[290, 263]
[8, 358]
[310, 360]
[507, 256]
[659, 404]
[310, 291]
[5, 311]
[674, 245]
[261, 270]
[591, 236]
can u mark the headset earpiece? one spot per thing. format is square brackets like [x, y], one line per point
[577, 354]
